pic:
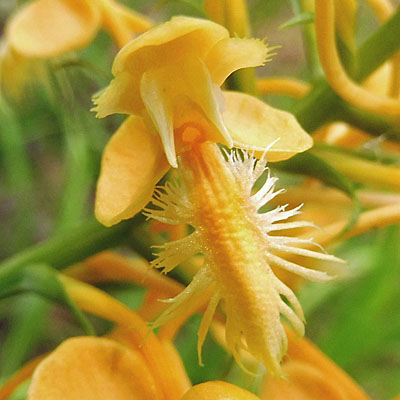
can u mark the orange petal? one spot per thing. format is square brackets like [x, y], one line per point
[46, 28]
[133, 162]
[311, 375]
[304, 382]
[162, 91]
[303, 350]
[159, 108]
[18, 72]
[92, 368]
[120, 96]
[218, 390]
[254, 125]
[111, 266]
[175, 38]
[229, 55]
[177, 366]
[121, 22]
[137, 333]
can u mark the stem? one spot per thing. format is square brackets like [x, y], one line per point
[371, 123]
[70, 247]
[360, 170]
[309, 41]
[317, 108]
[379, 47]
[30, 316]
[335, 73]
[18, 173]
[78, 176]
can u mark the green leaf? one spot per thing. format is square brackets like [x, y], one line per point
[299, 19]
[312, 165]
[364, 318]
[42, 280]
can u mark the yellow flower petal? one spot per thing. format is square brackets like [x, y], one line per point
[159, 108]
[110, 101]
[229, 55]
[311, 375]
[18, 72]
[92, 368]
[304, 382]
[254, 125]
[133, 162]
[122, 22]
[218, 390]
[176, 38]
[197, 86]
[176, 365]
[169, 88]
[46, 28]
[173, 41]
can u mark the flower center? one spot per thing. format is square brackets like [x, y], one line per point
[188, 135]
[191, 134]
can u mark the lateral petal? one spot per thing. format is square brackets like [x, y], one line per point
[133, 162]
[65, 25]
[155, 98]
[254, 125]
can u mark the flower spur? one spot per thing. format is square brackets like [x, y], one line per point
[215, 197]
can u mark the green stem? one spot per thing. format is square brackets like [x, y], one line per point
[310, 44]
[316, 108]
[79, 176]
[379, 47]
[371, 123]
[72, 246]
[321, 104]
[18, 173]
[30, 316]
[60, 251]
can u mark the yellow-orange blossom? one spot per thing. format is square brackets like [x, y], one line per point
[169, 79]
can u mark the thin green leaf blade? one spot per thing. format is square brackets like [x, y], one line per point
[299, 19]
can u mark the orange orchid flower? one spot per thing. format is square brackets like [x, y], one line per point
[128, 364]
[168, 80]
[44, 29]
